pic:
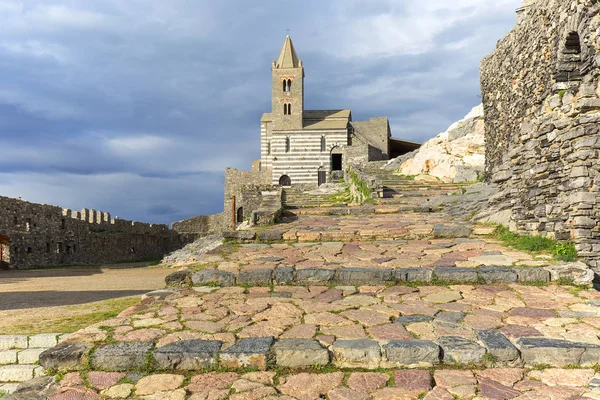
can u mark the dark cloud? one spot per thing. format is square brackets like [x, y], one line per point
[137, 107]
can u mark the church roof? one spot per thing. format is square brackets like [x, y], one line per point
[288, 57]
[326, 119]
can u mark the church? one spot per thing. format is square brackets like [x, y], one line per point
[312, 147]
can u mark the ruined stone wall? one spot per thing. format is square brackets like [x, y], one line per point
[43, 235]
[540, 91]
[370, 141]
[236, 183]
[199, 226]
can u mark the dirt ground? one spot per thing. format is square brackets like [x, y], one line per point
[29, 297]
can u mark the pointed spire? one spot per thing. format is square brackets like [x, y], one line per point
[288, 57]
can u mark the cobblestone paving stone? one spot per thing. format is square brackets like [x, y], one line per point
[376, 312]
[497, 384]
[385, 242]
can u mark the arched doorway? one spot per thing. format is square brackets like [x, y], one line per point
[4, 252]
[240, 215]
[285, 181]
[322, 176]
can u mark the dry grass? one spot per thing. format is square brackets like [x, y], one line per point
[67, 319]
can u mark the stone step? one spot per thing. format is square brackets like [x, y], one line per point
[489, 348]
[284, 274]
[333, 210]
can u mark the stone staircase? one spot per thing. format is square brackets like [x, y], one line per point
[293, 198]
[406, 190]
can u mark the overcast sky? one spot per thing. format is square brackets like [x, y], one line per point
[136, 107]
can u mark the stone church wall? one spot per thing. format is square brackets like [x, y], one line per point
[43, 235]
[540, 90]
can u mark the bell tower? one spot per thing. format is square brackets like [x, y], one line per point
[288, 89]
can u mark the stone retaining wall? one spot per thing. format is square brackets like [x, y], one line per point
[19, 355]
[541, 96]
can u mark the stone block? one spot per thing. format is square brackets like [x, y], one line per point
[362, 211]
[64, 356]
[121, 356]
[255, 277]
[178, 277]
[16, 373]
[497, 275]
[30, 356]
[413, 274]
[358, 276]
[456, 349]
[269, 236]
[452, 274]
[532, 275]
[8, 387]
[557, 353]
[361, 353]
[213, 276]
[8, 342]
[411, 353]
[187, 355]
[451, 231]
[44, 340]
[8, 357]
[315, 275]
[498, 346]
[294, 353]
[283, 275]
[247, 352]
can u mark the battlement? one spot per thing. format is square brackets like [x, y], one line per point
[41, 234]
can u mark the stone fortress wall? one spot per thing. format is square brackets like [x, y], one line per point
[541, 97]
[43, 235]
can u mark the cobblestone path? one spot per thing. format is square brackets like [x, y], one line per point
[348, 303]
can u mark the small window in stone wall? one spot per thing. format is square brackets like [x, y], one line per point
[323, 144]
[48, 247]
[63, 224]
[287, 145]
[569, 69]
[29, 250]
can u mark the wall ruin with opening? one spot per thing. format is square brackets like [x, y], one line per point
[541, 97]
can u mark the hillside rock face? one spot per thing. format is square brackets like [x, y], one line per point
[457, 155]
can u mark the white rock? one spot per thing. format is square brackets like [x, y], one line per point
[457, 155]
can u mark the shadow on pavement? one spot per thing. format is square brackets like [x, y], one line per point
[24, 300]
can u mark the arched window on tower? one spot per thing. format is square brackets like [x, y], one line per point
[287, 145]
[285, 109]
[285, 86]
[323, 144]
[269, 147]
[289, 109]
[569, 69]
[289, 85]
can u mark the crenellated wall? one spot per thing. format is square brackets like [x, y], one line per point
[42, 235]
[541, 97]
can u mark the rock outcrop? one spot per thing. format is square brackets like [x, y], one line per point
[457, 155]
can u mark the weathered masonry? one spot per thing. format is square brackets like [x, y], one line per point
[541, 95]
[41, 235]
